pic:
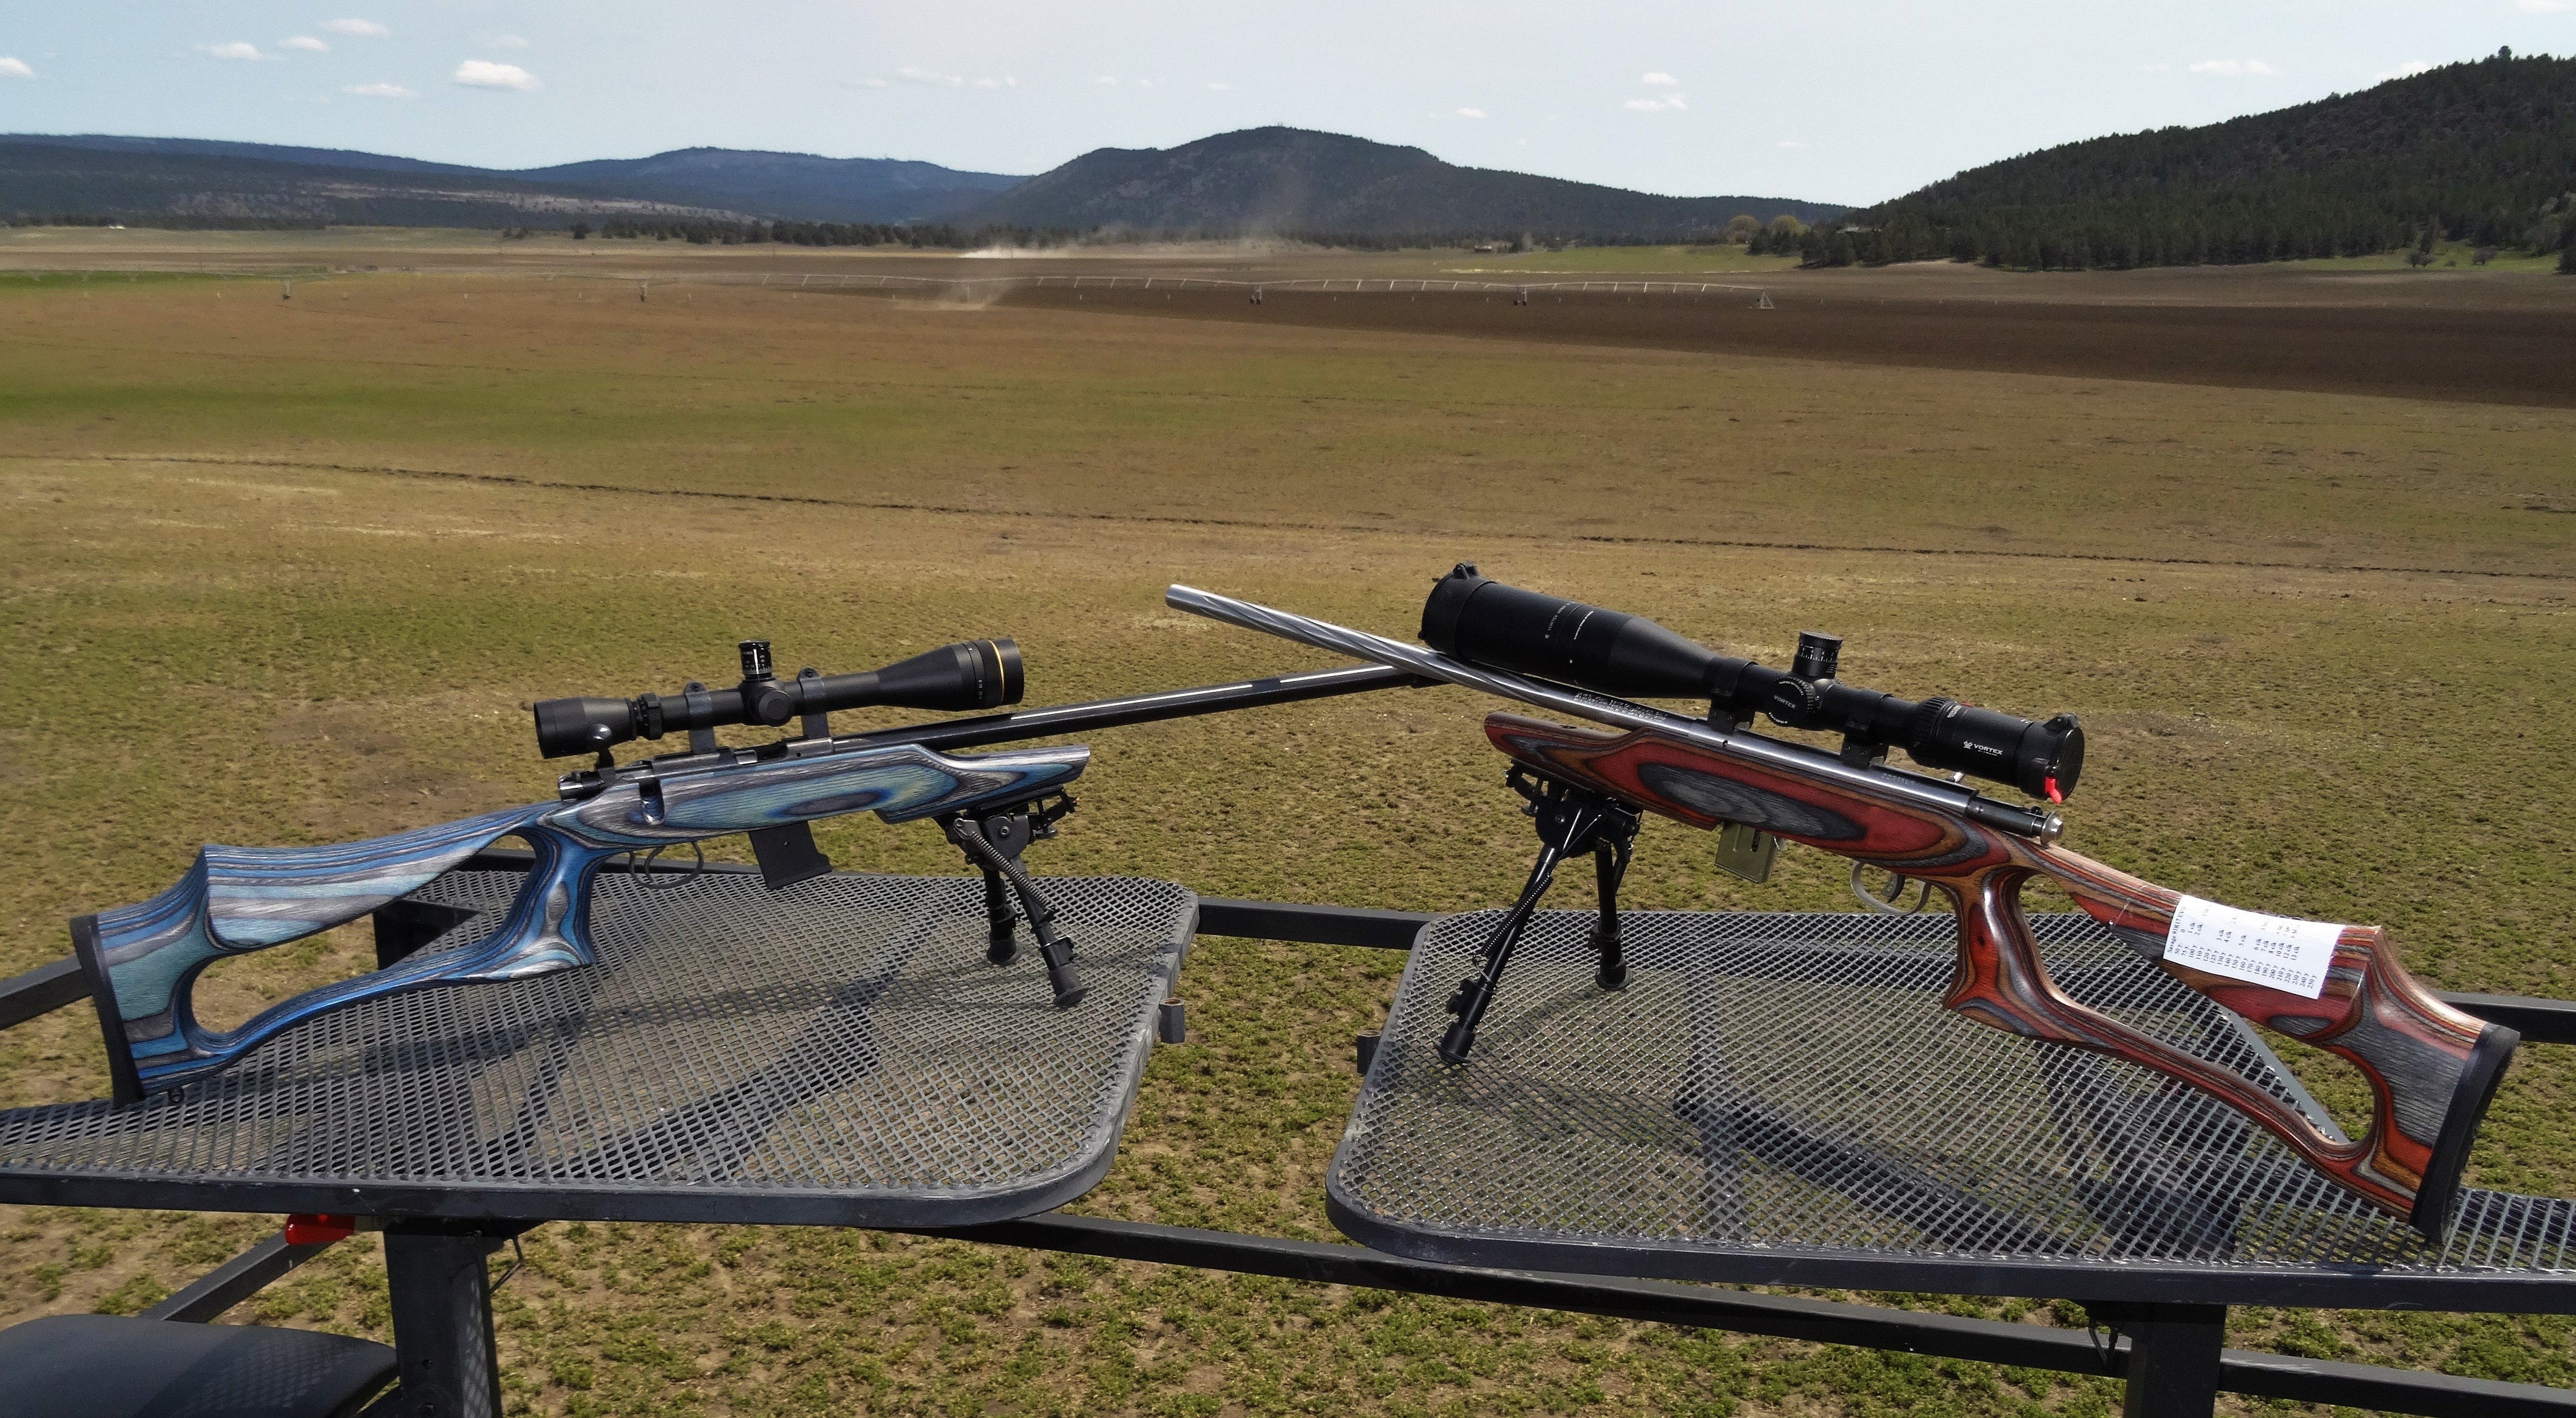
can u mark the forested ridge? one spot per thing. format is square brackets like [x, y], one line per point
[2481, 152]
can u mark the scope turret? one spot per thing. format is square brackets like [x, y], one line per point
[1485, 622]
[972, 674]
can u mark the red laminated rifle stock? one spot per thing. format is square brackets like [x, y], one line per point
[2431, 1068]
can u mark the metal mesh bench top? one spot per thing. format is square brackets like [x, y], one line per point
[838, 1052]
[1781, 1099]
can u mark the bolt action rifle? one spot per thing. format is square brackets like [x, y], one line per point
[2431, 1068]
[142, 961]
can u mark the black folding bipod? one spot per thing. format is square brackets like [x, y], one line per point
[1569, 820]
[993, 842]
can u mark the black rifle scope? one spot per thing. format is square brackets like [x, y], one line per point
[973, 674]
[1506, 628]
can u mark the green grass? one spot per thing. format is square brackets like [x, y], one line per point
[869, 402]
[2447, 256]
[33, 283]
[302, 653]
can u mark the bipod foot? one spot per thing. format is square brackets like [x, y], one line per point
[1468, 1004]
[1057, 952]
[1612, 973]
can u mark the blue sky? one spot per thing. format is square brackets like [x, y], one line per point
[1853, 101]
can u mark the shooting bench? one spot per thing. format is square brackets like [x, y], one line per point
[1771, 1100]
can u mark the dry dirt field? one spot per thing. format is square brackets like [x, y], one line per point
[285, 571]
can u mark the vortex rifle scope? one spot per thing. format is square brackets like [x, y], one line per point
[973, 674]
[1504, 627]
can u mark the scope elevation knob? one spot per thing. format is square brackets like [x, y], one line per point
[1819, 655]
[764, 700]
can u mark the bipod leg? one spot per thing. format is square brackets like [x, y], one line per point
[1000, 920]
[1610, 852]
[1569, 819]
[1056, 951]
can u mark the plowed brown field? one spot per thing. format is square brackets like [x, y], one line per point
[2484, 355]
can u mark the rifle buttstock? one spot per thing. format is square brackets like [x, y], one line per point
[2432, 1069]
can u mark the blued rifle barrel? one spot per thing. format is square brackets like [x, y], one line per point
[1144, 708]
[1602, 709]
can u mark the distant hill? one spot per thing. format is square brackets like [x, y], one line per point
[41, 179]
[2483, 152]
[101, 175]
[257, 152]
[1291, 181]
[795, 185]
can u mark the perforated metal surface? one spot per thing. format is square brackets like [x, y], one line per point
[1782, 1098]
[836, 1052]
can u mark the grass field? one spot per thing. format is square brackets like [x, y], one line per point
[286, 571]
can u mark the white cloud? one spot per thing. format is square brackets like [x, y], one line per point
[1659, 80]
[379, 91]
[1105, 79]
[1471, 113]
[2235, 68]
[1673, 104]
[2406, 70]
[1789, 143]
[934, 79]
[357, 29]
[870, 83]
[508, 41]
[15, 68]
[234, 50]
[307, 43]
[1220, 86]
[1145, 83]
[484, 74]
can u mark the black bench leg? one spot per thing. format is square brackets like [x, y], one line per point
[442, 1311]
[2173, 1360]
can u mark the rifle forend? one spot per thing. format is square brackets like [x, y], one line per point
[2432, 1069]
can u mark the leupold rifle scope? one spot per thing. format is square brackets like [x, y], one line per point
[1609, 652]
[972, 674]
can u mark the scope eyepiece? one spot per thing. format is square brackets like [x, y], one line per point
[972, 674]
[569, 726]
[1485, 622]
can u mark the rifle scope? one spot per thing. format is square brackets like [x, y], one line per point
[973, 674]
[1504, 627]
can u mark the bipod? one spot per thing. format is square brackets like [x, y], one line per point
[1569, 820]
[993, 842]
